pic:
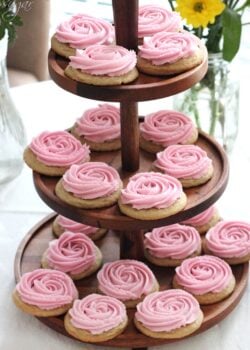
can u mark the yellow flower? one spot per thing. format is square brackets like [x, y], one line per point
[199, 12]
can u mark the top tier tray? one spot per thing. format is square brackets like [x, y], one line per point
[144, 88]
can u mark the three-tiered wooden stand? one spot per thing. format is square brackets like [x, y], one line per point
[125, 236]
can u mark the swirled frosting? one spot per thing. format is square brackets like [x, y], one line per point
[151, 190]
[75, 227]
[59, 148]
[46, 289]
[202, 218]
[229, 239]
[174, 241]
[100, 124]
[97, 313]
[82, 30]
[183, 161]
[153, 19]
[91, 180]
[71, 253]
[166, 47]
[167, 310]
[203, 274]
[110, 60]
[126, 279]
[167, 127]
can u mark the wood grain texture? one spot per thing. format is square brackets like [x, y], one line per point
[28, 258]
[199, 197]
[126, 241]
[144, 88]
[130, 157]
[126, 23]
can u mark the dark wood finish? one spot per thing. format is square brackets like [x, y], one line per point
[129, 136]
[199, 197]
[144, 88]
[28, 258]
[126, 23]
[131, 245]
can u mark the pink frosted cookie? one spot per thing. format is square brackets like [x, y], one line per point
[99, 128]
[103, 65]
[170, 245]
[74, 254]
[208, 278]
[151, 196]
[170, 314]
[45, 293]
[79, 32]
[229, 240]
[168, 53]
[154, 19]
[96, 318]
[90, 185]
[52, 153]
[190, 164]
[62, 224]
[127, 280]
[205, 220]
[164, 128]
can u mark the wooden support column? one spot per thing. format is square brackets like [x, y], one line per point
[129, 136]
[131, 245]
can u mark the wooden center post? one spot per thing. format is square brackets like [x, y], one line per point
[126, 30]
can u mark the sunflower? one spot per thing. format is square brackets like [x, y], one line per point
[199, 12]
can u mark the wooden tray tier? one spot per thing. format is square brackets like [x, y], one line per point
[199, 197]
[144, 88]
[28, 258]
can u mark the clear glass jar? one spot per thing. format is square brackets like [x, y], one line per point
[12, 133]
[213, 103]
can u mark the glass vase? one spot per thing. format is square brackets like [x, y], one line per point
[12, 133]
[213, 103]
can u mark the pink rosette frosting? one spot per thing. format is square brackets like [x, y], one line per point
[166, 47]
[91, 180]
[174, 241]
[202, 218]
[203, 274]
[111, 60]
[167, 127]
[126, 279]
[153, 19]
[97, 313]
[46, 289]
[82, 30]
[183, 161]
[100, 124]
[151, 190]
[59, 148]
[71, 253]
[167, 310]
[229, 239]
[76, 227]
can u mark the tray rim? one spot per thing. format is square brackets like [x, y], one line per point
[117, 342]
[111, 221]
[162, 86]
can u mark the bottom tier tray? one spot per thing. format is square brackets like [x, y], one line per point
[28, 258]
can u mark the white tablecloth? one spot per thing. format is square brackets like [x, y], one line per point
[46, 106]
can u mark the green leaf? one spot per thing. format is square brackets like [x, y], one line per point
[18, 21]
[2, 32]
[214, 36]
[242, 7]
[231, 22]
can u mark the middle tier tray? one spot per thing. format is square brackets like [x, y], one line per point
[199, 197]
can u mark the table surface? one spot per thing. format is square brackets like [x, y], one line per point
[45, 106]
